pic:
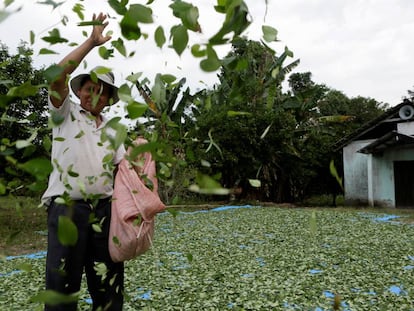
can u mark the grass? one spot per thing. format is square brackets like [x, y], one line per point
[22, 225]
[260, 258]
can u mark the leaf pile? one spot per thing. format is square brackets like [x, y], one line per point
[257, 259]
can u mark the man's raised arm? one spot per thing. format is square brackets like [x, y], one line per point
[71, 61]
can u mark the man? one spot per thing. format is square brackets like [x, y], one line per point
[81, 184]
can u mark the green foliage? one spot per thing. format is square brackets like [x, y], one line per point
[23, 105]
[248, 129]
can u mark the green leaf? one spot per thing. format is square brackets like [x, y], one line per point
[3, 15]
[207, 185]
[119, 6]
[90, 23]
[124, 93]
[2, 188]
[121, 133]
[197, 51]
[236, 21]
[78, 8]
[140, 13]
[158, 91]
[119, 46]
[32, 37]
[52, 73]
[232, 113]
[23, 91]
[38, 167]
[172, 211]
[97, 228]
[72, 173]
[159, 37]
[137, 13]
[266, 131]
[105, 53]
[26, 267]
[187, 13]
[20, 144]
[180, 38]
[136, 110]
[55, 119]
[54, 37]
[164, 170]
[313, 226]
[255, 183]
[67, 231]
[269, 33]
[53, 298]
[335, 174]
[46, 51]
[212, 62]
[168, 78]
[116, 241]
[52, 3]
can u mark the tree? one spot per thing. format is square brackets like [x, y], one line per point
[24, 120]
[169, 120]
[249, 131]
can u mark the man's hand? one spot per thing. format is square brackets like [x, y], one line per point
[97, 33]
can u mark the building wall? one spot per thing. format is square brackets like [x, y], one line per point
[369, 179]
[406, 128]
[355, 173]
[383, 180]
[385, 185]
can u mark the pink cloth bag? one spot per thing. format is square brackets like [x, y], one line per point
[134, 207]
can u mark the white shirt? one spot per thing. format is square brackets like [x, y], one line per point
[82, 161]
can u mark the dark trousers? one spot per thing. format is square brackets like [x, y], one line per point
[66, 264]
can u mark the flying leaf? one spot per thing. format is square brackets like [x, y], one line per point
[23, 91]
[67, 231]
[168, 78]
[52, 298]
[212, 62]
[52, 73]
[159, 37]
[3, 15]
[197, 51]
[269, 33]
[54, 37]
[207, 185]
[32, 37]
[313, 227]
[136, 110]
[137, 13]
[119, 46]
[78, 8]
[44, 51]
[187, 13]
[266, 131]
[38, 167]
[180, 38]
[119, 6]
[232, 113]
[105, 53]
[335, 174]
[255, 183]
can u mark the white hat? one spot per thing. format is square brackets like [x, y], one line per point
[103, 75]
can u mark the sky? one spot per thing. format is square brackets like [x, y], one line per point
[360, 47]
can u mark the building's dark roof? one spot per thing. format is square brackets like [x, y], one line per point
[375, 128]
[390, 139]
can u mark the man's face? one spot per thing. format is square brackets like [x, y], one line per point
[94, 96]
